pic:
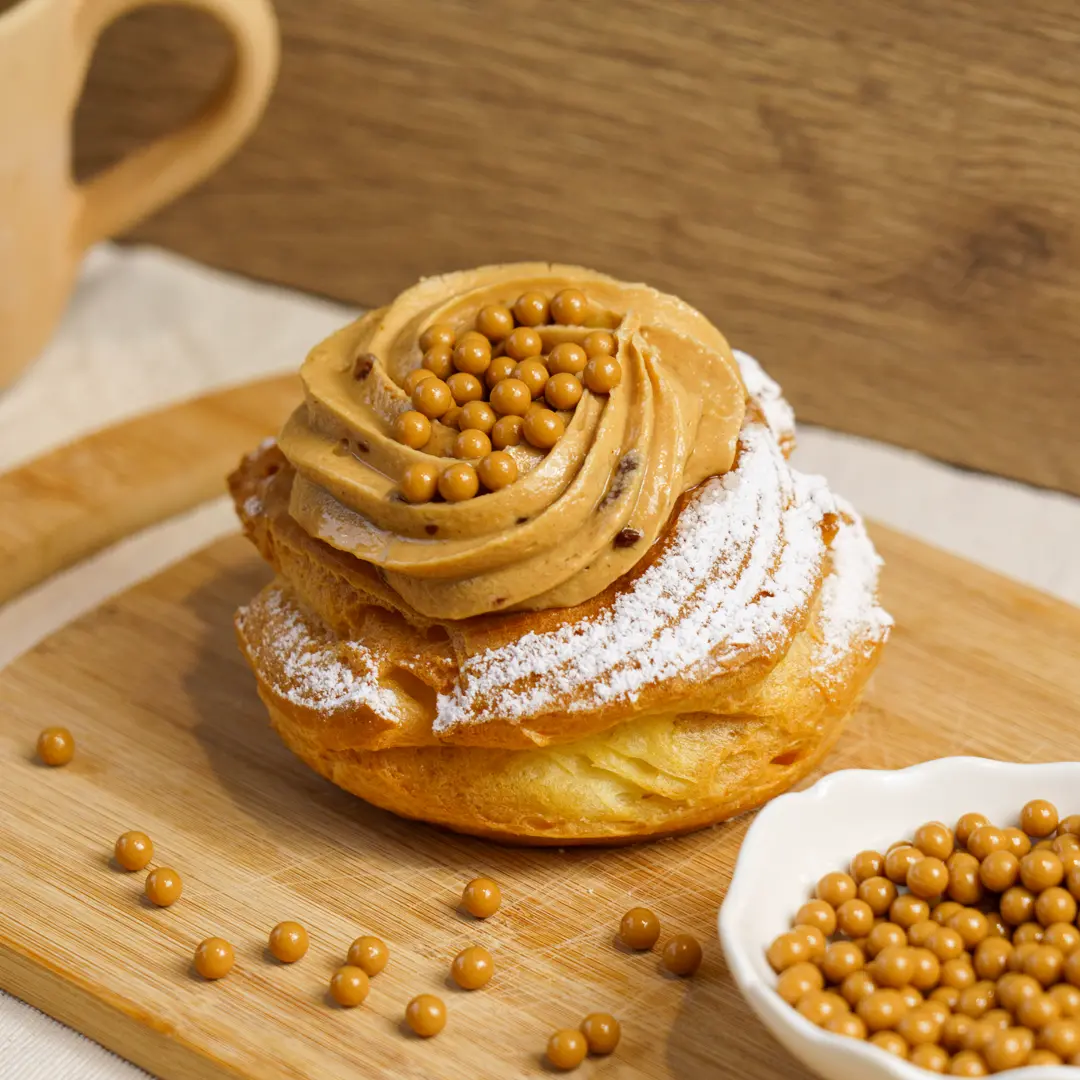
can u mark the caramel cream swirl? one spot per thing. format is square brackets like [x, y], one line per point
[580, 515]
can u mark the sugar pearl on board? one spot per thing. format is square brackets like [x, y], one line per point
[163, 886]
[481, 897]
[602, 1032]
[426, 1015]
[55, 746]
[640, 929]
[288, 942]
[369, 954]
[349, 986]
[472, 968]
[566, 1049]
[133, 850]
[214, 958]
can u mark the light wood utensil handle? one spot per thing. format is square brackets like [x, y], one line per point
[157, 173]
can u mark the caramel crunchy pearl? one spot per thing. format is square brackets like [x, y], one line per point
[478, 415]
[543, 429]
[472, 354]
[1067, 997]
[920, 933]
[500, 369]
[934, 839]
[163, 886]
[568, 307]
[494, 321]
[964, 884]
[1041, 870]
[840, 960]
[524, 344]
[919, 1026]
[214, 958]
[999, 871]
[567, 359]
[472, 444]
[1009, 1049]
[912, 998]
[786, 951]
[928, 878]
[640, 929]
[439, 360]
[947, 995]
[497, 470]
[946, 944]
[288, 942]
[899, 860]
[1062, 1037]
[943, 912]
[1014, 987]
[682, 954]
[893, 967]
[506, 432]
[566, 1049]
[465, 387]
[867, 864]
[855, 918]
[1017, 905]
[955, 1031]
[836, 888]
[1028, 932]
[967, 824]
[930, 1057]
[890, 1042]
[437, 334]
[907, 910]
[971, 925]
[1020, 954]
[369, 954]
[1062, 936]
[533, 374]
[1019, 844]
[133, 850]
[459, 482]
[979, 1036]
[1036, 1011]
[1039, 818]
[602, 1032]
[817, 913]
[511, 397]
[472, 968]
[985, 839]
[1055, 905]
[482, 897]
[926, 971]
[412, 428]
[1000, 1018]
[563, 391]
[531, 309]
[991, 959]
[1043, 1059]
[602, 374]
[819, 1006]
[1074, 883]
[1044, 964]
[55, 746]
[882, 1009]
[1070, 826]
[415, 378]
[958, 972]
[967, 1063]
[978, 999]
[856, 986]
[432, 397]
[419, 482]
[349, 986]
[599, 343]
[846, 1024]
[884, 936]
[996, 926]
[800, 979]
[452, 417]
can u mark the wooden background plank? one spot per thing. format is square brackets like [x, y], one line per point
[881, 201]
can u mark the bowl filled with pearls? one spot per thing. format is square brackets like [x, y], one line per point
[923, 920]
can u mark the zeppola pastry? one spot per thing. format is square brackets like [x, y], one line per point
[543, 571]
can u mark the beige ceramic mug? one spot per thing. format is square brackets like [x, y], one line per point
[46, 220]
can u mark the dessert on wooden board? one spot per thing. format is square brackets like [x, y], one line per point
[619, 615]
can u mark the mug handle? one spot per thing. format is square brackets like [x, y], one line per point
[148, 178]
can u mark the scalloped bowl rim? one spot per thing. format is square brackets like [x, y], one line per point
[750, 900]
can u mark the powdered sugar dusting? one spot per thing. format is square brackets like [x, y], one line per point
[779, 415]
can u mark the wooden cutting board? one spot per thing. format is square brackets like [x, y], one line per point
[173, 740]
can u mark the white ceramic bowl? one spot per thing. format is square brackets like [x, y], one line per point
[801, 836]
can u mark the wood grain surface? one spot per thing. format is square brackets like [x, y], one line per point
[878, 200]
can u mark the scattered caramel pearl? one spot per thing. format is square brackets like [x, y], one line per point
[369, 954]
[543, 428]
[465, 387]
[840, 960]
[882, 1009]
[478, 415]
[920, 1026]
[524, 344]
[1041, 870]
[472, 968]
[494, 321]
[978, 999]
[930, 1057]
[602, 374]
[891, 1042]
[500, 369]
[602, 1032]
[533, 374]
[945, 911]
[907, 910]
[510, 397]
[1044, 964]
[415, 378]
[1009, 1049]
[214, 958]
[985, 839]
[563, 391]
[439, 360]
[836, 888]
[1019, 844]
[1062, 936]
[419, 482]
[884, 936]
[920, 934]
[927, 970]
[928, 878]
[568, 307]
[817, 913]
[967, 1063]
[472, 354]
[967, 824]
[412, 428]
[1039, 818]
[288, 942]
[482, 897]
[1017, 905]
[134, 850]
[800, 979]
[1055, 905]
[971, 925]
[991, 959]
[471, 444]
[855, 918]
[899, 860]
[893, 967]
[531, 309]
[437, 334]
[1067, 997]
[459, 482]
[640, 929]
[163, 886]
[846, 1024]
[567, 359]
[934, 839]
[426, 1015]
[867, 864]
[599, 343]
[965, 887]
[947, 995]
[432, 397]
[958, 972]
[820, 1006]
[349, 986]
[999, 870]
[56, 746]
[946, 944]
[682, 954]
[566, 1049]
[497, 470]
[856, 986]
[1028, 932]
